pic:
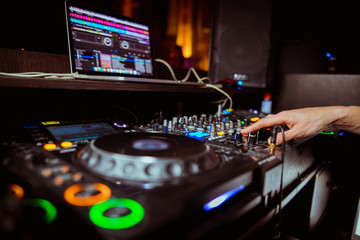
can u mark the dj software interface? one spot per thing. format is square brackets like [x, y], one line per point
[107, 44]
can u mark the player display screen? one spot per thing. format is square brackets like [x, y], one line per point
[107, 45]
[78, 132]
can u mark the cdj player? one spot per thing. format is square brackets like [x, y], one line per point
[178, 178]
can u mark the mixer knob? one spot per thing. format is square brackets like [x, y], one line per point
[231, 128]
[185, 120]
[252, 139]
[238, 138]
[246, 122]
[238, 125]
[170, 126]
[212, 130]
[217, 124]
[191, 124]
[200, 126]
[182, 128]
[222, 126]
[211, 118]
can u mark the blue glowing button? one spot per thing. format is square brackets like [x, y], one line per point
[136, 214]
[225, 111]
[222, 198]
[198, 134]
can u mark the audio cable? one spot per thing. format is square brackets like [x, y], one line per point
[40, 74]
[274, 132]
[200, 80]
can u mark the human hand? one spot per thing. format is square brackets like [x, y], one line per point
[302, 123]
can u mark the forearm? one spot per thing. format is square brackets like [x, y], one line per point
[347, 118]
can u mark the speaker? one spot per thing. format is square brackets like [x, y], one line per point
[241, 42]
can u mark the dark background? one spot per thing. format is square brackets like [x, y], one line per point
[306, 30]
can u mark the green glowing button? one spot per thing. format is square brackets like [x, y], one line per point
[327, 133]
[137, 213]
[50, 210]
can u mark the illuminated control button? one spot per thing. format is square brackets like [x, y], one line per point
[66, 144]
[135, 216]
[46, 172]
[65, 169]
[222, 198]
[77, 176]
[254, 119]
[58, 181]
[220, 133]
[17, 190]
[50, 146]
[72, 197]
[50, 210]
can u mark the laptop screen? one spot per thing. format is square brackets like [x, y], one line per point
[105, 44]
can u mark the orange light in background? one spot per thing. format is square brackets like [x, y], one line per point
[128, 7]
[185, 28]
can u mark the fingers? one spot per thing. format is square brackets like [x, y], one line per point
[288, 135]
[269, 121]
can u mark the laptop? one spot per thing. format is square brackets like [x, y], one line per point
[106, 46]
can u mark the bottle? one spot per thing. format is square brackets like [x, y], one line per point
[266, 104]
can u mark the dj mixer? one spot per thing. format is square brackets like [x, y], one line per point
[177, 178]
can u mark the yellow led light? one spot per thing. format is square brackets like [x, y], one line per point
[220, 133]
[66, 144]
[50, 122]
[50, 146]
[254, 119]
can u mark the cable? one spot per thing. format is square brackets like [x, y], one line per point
[223, 92]
[39, 74]
[272, 144]
[200, 80]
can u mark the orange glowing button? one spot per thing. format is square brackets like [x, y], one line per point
[65, 169]
[66, 144]
[17, 190]
[70, 194]
[46, 172]
[58, 181]
[254, 119]
[50, 146]
[77, 176]
[220, 133]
